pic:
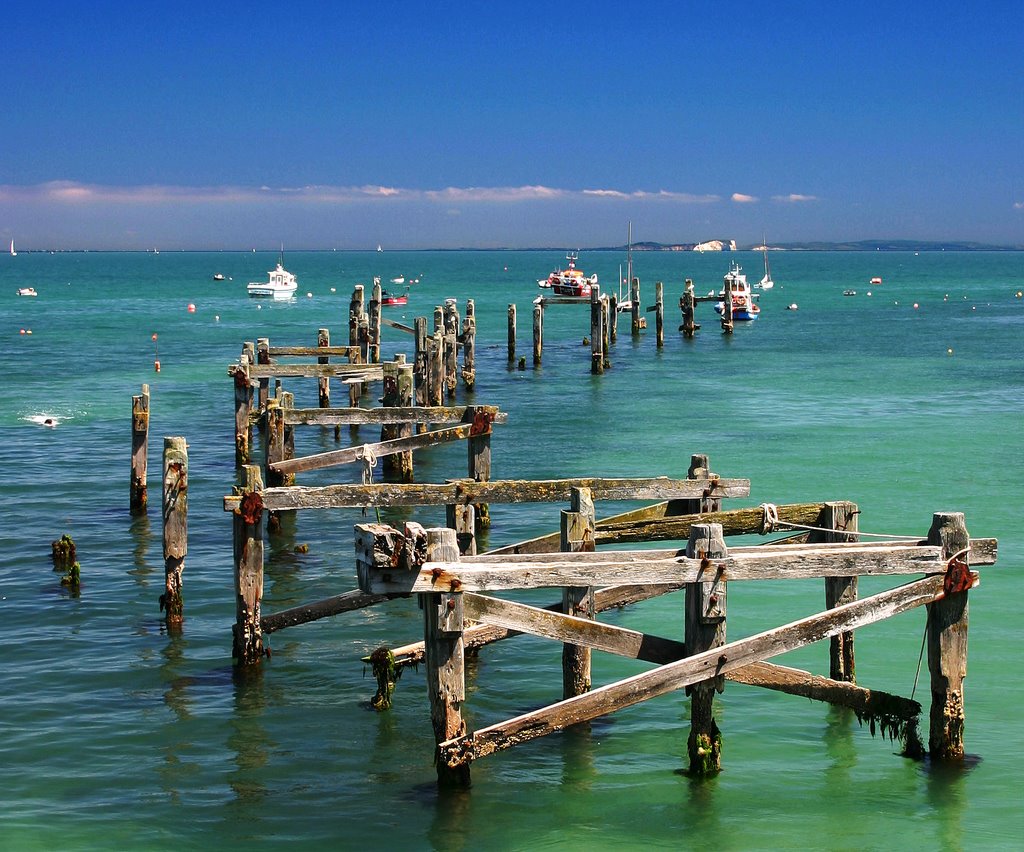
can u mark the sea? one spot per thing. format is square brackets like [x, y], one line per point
[119, 733]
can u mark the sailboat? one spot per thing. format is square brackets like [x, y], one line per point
[765, 283]
[625, 302]
[13, 252]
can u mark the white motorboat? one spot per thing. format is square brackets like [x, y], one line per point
[280, 284]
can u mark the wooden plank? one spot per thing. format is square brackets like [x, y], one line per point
[716, 661]
[495, 491]
[486, 573]
[523, 618]
[350, 455]
[441, 414]
[335, 605]
[309, 351]
[398, 325]
[368, 372]
[744, 521]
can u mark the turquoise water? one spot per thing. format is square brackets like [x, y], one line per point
[119, 735]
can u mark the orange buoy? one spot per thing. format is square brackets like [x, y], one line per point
[191, 308]
[156, 366]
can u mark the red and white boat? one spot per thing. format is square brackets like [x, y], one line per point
[569, 281]
[387, 298]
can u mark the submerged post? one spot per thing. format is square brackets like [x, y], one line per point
[947, 646]
[659, 313]
[247, 645]
[175, 505]
[138, 499]
[687, 304]
[469, 346]
[596, 332]
[511, 333]
[705, 629]
[636, 322]
[577, 536]
[538, 333]
[445, 659]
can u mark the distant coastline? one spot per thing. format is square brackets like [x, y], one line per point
[724, 245]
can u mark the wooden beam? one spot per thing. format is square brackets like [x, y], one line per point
[310, 351]
[495, 491]
[305, 613]
[716, 661]
[398, 325]
[487, 573]
[350, 455]
[441, 414]
[368, 372]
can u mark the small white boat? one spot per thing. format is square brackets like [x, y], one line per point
[27, 291]
[399, 280]
[744, 308]
[13, 252]
[766, 282]
[218, 276]
[280, 284]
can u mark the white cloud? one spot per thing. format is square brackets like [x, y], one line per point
[794, 198]
[1018, 205]
[740, 198]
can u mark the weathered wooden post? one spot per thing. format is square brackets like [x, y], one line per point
[705, 629]
[841, 517]
[461, 517]
[606, 321]
[138, 499]
[247, 521]
[469, 346]
[451, 347]
[373, 325]
[175, 505]
[511, 333]
[727, 325]
[947, 644]
[275, 446]
[243, 411]
[659, 313]
[445, 658]
[263, 359]
[287, 400]
[538, 333]
[700, 467]
[323, 340]
[637, 322]
[435, 369]
[479, 447]
[355, 313]
[613, 324]
[577, 535]
[397, 392]
[596, 333]
[421, 360]
[687, 304]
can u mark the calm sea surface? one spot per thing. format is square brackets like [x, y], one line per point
[117, 735]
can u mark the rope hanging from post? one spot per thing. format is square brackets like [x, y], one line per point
[771, 522]
[769, 518]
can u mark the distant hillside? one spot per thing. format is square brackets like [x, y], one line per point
[852, 245]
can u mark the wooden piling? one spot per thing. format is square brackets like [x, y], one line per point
[538, 333]
[606, 321]
[461, 517]
[511, 333]
[841, 517]
[659, 313]
[479, 452]
[138, 498]
[469, 346]
[323, 339]
[274, 449]
[577, 535]
[596, 332]
[613, 312]
[687, 304]
[451, 363]
[705, 629]
[373, 325]
[175, 510]
[421, 360]
[435, 369]
[445, 659]
[355, 313]
[243, 412]
[398, 383]
[634, 294]
[263, 359]
[947, 644]
[247, 520]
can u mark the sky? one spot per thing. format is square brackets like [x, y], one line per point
[230, 125]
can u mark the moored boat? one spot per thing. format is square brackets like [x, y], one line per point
[569, 281]
[766, 282]
[387, 298]
[27, 291]
[744, 308]
[280, 284]
[876, 281]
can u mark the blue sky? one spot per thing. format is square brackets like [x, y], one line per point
[344, 125]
